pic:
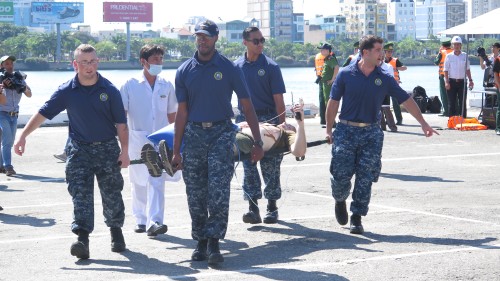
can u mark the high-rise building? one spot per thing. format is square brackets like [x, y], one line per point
[479, 7]
[275, 17]
[334, 26]
[401, 13]
[361, 17]
[433, 16]
[298, 28]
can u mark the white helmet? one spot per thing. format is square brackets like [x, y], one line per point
[456, 39]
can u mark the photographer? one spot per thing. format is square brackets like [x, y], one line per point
[486, 63]
[14, 85]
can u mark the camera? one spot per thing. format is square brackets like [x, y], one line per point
[481, 52]
[16, 80]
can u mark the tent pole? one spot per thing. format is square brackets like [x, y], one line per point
[464, 90]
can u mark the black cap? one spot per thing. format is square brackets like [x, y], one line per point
[207, 27]
[325, 46]
[356, 44]
[496, 44]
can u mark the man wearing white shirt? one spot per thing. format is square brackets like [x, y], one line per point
[456, 66]
[151, 104]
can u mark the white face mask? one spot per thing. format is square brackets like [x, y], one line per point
[155, 69]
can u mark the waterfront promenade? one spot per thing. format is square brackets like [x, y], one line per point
[434, 215]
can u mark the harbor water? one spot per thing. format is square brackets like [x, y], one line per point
[299, 83]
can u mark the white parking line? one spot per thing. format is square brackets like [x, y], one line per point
[96, 203]
[396, 209]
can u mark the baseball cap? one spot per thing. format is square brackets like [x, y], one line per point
[456, 39]
[4, 58]
[356, 44]
[206, 27]
[496, 44]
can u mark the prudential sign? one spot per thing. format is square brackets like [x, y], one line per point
[127, 12]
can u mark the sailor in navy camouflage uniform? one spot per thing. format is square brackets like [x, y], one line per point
[358, 139]
[96, 116]
[266, 85]
[204, 86]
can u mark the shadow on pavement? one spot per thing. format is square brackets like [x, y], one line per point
[4, 188]
[26, 220]
[480, 243]
[415, 178]
[38, 178]
[139, 263]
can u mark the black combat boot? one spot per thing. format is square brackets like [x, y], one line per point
[356, 226]
[117, 240]
[200, 253]
[214, 255]
[80, 248]
[272, 212]
[253, 215]
[341, 212]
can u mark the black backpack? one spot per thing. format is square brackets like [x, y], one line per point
[434, 104]
[420, 97]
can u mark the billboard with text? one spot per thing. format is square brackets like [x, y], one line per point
[6, 11]
[127, 12]
[57, 12]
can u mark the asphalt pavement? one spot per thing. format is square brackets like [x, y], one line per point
[434, 215]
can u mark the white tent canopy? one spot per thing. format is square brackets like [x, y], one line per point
[483, 24]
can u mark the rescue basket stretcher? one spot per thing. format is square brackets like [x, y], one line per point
[160, 161]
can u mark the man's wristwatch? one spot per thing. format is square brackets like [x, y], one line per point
[258, 143]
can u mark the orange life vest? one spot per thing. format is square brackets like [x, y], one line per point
[444, 53]
[392, 62]
[319, 62]
[465, 124]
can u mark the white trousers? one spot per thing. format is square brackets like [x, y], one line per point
[148, 201]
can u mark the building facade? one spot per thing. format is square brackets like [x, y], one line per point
[479, 7]
[401, 13]
[433, 16]
[275, 17]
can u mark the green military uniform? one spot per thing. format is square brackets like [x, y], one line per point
[446, 44]
[327, 74]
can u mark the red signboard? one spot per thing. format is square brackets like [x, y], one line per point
[127, 12]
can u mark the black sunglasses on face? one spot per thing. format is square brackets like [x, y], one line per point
[256, 41]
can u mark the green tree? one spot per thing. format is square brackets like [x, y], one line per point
[17, 46]
[8, 30]
[106, 49]
[120, 41]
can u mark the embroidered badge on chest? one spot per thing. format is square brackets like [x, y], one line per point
[218, 75]
[261, 72]
[378, 81]
[103, 97]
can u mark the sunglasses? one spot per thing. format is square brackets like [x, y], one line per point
[256, 41]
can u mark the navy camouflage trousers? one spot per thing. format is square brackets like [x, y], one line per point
[269, 166]
[208, 169]
[356, 151]
[84, 162]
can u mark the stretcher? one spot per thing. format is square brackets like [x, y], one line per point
[159, 161]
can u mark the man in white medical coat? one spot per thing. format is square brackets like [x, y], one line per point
[151, 104]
